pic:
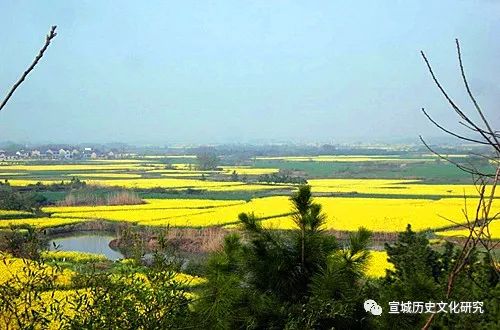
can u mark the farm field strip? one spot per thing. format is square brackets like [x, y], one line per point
[494, 231]
[199, 217]
[390, 187]
[344, 212]
[380, 215]
[41, 223]
[181, 175]
[150, 204]
[139, 183]
[103, 175]
[384, 215]
[175, 171]
[10, 213]
[348, 159]
[175, 156]
[251, 187]
[136, 216]
[248, 170]
[165, 183]
[119, 161]
[73, 256]
[78, 167]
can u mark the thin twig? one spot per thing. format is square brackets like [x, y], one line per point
[476, 105]
[450, 132]
[472, 171]
[52, 34]
[478, 229]
[453, 105]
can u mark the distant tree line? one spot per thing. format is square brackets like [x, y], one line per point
[281, 178]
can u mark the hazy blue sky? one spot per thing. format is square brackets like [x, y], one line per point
[239, 71]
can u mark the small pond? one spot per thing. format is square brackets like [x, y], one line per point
[87, 242]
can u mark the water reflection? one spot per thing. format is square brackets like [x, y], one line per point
[90, 243]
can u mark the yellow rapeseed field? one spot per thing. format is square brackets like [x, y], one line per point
[261, 207]
[150, 204]
[45, 222]
[72, 256]
[390, 187]
[17, 269]
[157, 211]
[384, 215]
[380, 215]
[163, 183]
[185, 212]
[10, 213]
[74, 167]
[378, 264]
[167, 183]
[104, 175]
[494, 231]
[23, 183]
[171, 180]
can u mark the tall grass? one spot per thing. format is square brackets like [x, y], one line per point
[95, 198]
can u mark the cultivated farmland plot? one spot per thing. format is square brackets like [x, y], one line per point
[379, 204]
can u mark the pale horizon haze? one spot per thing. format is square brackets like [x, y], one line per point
[167, 72]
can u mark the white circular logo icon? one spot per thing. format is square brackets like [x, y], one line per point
[372, 307]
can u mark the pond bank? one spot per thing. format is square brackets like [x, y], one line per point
[87, 242]
[189, 240]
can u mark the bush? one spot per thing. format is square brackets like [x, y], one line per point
[10, 199]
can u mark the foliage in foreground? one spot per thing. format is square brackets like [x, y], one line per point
[34, 297]
[420, 275]
[300, 279]
[304, 280]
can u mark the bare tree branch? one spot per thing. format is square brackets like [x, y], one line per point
[450, 132]
[476, 105]
[478, 228]
[51, 35]
[472, 171]
[475, 130]
[454, 106]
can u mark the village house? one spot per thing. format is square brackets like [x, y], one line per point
[22, 154]
[49, 154]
